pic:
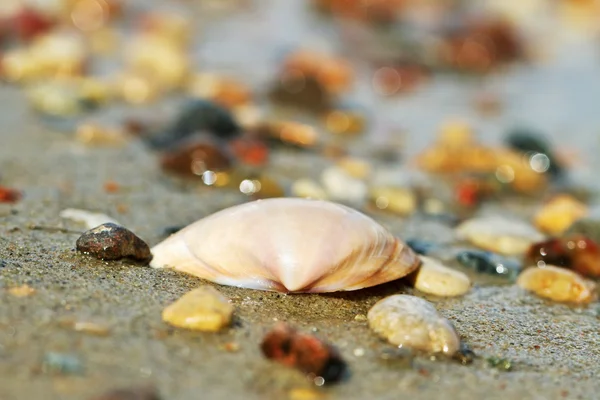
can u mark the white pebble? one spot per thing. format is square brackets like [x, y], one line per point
[408, 321]
[435, 278]
[343, 187]
[88, 218]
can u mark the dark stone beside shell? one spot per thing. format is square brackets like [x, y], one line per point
[134, 393]
[113, 242]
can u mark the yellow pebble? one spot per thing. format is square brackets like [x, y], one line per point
[202, 309]
[397, 200]
[22, 291]
[435, 278]
[557, 284]
[556, 216]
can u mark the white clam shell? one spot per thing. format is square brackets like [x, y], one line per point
[288, 245]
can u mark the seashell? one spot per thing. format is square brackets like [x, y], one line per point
[499, 234]
[288, 245]
[408, 321]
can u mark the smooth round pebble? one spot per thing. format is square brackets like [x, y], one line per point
[309, 189]
[435, 278]
[557, 284]
[408, 321]
[202, 309]
[342, 186]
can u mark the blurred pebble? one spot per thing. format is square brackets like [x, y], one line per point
[435, 278]
[261, 187]
[499, 234]
[202, 309]
[88, 218]
[224, 91]
[133, 393]
[557, 284]
[421, 247]
[529, 142]
[409, 321]
[305, 394]
[465, 355]
[397, 200]
[344, 122]
[87, 327]
[340, 186]
[94, 135]
[557, 215]
[59, 363]
[574, 252]
[8, 195]
[355, 167]
[194, 159]
[588, 227]
[305, 352]
[307, 93]
[308, 188]
[21, 291]
[490, 263]
[250, 151]
[198, 116]
[113, 242]
[29, 23]
[501, 364]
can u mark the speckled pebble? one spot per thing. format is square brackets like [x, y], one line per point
[202, 309]
[435, 278]
[409, 321]
[557, 284]
[113, 242]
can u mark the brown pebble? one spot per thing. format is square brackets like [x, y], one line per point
[134, 393]
[193, 159]
[305, 352]
[113, 242]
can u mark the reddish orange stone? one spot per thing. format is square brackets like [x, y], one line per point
[575, 252]
[111, 187]
[8, 195]
[28, 23]
[305, 352]
[250, 151]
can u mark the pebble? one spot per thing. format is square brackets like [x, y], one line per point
[355, 167]
[87, 327]
[305, 352]
[198, 116]
[194, 159]
[556, 216]
[574, 252]
[308, 188]
[8, 195]
[422, 247]
[113, 242]
[557, 284]
[133, 393]
[499, 234]
[588, 227]
[88, 218]
[526, 141]
[202, 309]
[411, 322]
[59, 363]
[94, 135]
[399, 201]
[490, 263]
[341, 186]
[305, 394]
[22, 291]
[437, 279]
[502, 364]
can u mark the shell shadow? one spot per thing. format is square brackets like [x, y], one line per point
[399, 286]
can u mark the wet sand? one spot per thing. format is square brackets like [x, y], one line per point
[554, 348]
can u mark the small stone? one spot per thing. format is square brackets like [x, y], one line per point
[489, 263]
[360, 317]
[309, 189]
[574, 252]
[344, 122]
[556, 216]
[113, 242]
[288, 133]
[422, 247]
[435, 278]
[231, 347]
[530, 142]
[557, 284]
[198, 116]
[411, 322]
[94, 135]
[499, 234]
[305, 352]
[194, 159]
[29, 23]
[133, 393]
[8, 195]
[202, 309]
[261, 187]
[340, 186]
[587, 227]
[465, 355]
[88, 218]
[22, 291]
[64, 364]
[397, 200]
[501, 364]
[305, 394]
[250, 151]
[355, 167]
[87, 327]
[224, 91]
